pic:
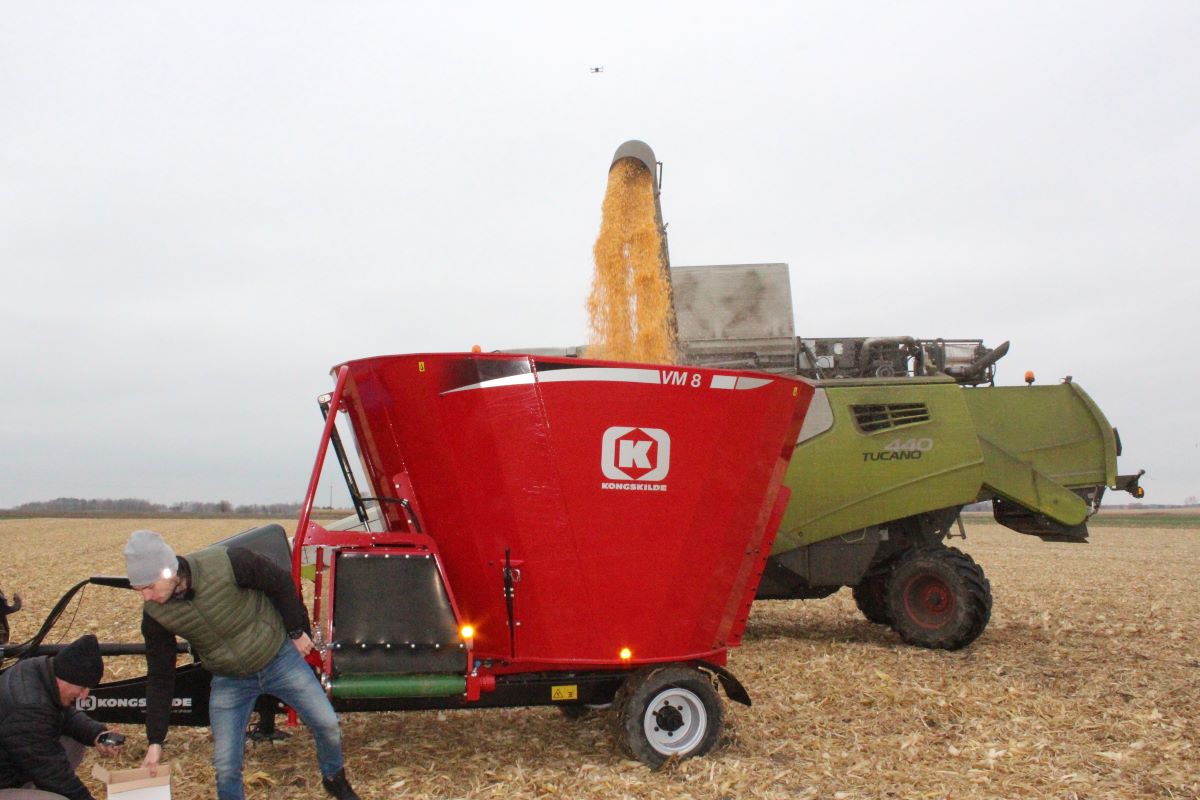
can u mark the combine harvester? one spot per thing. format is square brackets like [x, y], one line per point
[902, 434]
[555, 532]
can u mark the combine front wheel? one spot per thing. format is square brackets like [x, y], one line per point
[938, 597]
[668, 713]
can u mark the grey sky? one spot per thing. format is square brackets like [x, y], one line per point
[205, 206]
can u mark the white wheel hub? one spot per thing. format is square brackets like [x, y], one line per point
[675, 721]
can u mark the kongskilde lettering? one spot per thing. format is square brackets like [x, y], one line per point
[92, 703]
[637, 487]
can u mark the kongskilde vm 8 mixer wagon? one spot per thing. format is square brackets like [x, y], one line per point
[557, 531]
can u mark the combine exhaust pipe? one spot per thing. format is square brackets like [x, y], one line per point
[976, 368]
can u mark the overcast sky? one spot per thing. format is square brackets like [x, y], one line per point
[204, 206]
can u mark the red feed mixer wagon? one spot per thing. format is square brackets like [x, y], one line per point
[536, 531]
[557, 532]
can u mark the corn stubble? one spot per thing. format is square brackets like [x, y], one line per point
[1083, 686]
[629, 309]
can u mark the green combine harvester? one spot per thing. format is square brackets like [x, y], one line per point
[902, 434]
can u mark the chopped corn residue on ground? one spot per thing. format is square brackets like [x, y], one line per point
[629, 309]
[1084, 685]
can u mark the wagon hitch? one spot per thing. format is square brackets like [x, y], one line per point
[12, 653]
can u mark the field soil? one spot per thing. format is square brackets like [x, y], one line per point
[1086, 684]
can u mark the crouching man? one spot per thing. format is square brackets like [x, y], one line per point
[244, 621]
[42, 734]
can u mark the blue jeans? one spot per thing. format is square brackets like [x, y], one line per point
[287, 677]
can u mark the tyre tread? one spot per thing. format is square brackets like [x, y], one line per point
[977, 598]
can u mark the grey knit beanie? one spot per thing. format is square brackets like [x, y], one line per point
[148, 558]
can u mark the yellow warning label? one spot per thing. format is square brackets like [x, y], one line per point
[420, 366]
[564, 692]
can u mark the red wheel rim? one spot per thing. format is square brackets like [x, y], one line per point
[928, 601]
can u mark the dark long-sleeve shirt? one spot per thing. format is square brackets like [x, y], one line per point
[32, 720]
[250, 571]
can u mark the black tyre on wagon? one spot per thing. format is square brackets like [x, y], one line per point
[668, 712]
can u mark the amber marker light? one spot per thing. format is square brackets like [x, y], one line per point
[626, 654]
[467, 631]
[1029, 377]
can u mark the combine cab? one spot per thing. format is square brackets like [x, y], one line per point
[902, 433]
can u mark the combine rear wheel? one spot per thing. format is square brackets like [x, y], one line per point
[938, 597]
[668, 713]
[870, 595]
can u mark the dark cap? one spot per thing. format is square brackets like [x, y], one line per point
[79, 663]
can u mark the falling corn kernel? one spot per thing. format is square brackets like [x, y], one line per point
[629, 309]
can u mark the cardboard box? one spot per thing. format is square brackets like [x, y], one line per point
[135, 784]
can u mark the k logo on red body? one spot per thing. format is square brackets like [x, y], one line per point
[627, 453]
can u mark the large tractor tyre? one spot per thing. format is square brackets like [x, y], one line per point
[938, 597]
[870, 595]
[666, 713]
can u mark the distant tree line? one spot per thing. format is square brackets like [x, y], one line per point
[132, 505]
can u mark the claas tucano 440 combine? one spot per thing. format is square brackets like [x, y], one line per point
[902, 434]
[553, 532]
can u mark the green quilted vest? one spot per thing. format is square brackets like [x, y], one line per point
[233, 631]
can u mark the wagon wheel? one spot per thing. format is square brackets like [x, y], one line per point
[666, 713]
[870, 595]
[938, 597]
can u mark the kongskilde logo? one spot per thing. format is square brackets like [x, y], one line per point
[91, 703]
[635, 458]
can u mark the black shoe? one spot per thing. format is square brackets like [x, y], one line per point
[337, 786]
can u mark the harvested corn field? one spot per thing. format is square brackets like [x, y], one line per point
[1084, 685]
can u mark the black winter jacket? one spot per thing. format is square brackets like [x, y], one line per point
[32, 719]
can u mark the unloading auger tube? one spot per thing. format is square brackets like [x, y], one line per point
[639, 151]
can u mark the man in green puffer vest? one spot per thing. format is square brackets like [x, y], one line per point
[247, 626]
